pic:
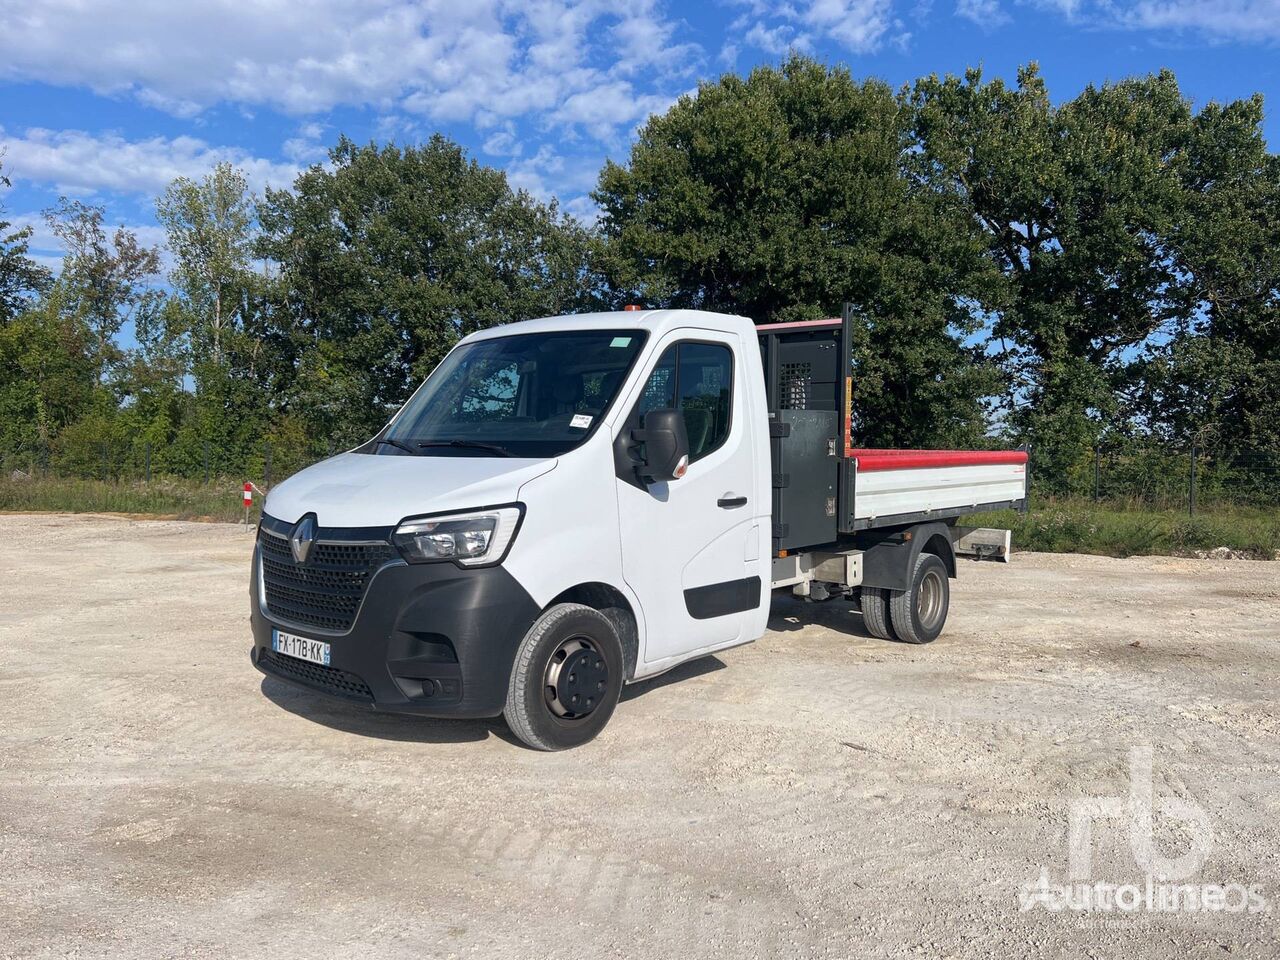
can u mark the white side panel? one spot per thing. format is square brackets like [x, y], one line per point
[569, 535]
[674, 536]
[886, 493]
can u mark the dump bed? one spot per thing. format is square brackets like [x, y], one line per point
[893, 485]
[824, 487]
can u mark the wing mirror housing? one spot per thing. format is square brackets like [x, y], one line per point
[666, 446]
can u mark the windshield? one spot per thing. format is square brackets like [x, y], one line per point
[527, 395]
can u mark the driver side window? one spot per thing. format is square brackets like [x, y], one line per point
[697, 380]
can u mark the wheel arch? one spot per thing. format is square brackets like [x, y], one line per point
[939, 544]
[611, 602]
[890, 557]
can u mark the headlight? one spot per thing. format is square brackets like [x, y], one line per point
[472, 539]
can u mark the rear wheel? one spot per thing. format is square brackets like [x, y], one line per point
[875, 612]
[918, 614]
[566, 679]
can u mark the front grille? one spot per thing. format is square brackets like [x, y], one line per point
[324, 592]
[328, 679]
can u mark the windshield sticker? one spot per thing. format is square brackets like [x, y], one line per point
[621, 342]
[581, 421]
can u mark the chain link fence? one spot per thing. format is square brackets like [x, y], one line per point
[1163, 478]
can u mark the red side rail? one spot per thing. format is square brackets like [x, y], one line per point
[871, 459]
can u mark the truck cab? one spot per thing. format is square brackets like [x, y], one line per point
[564, 506]
[513, 523]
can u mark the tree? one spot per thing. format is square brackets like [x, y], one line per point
[1077, 204]
[785, 194]
[21, 277]
[391, 254]
[221, 321]
[210, 227]
[1217, 381]
[104, 280]
[47, 376]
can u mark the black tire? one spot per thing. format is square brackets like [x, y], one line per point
[919, 614]
[583, 642]
[875, 612]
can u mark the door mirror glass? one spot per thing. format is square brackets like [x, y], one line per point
[666, 445]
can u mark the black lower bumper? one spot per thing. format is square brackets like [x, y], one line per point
[429, 639]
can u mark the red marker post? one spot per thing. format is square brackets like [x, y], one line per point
[248, 501]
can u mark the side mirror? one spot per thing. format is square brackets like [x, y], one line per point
[666, 446]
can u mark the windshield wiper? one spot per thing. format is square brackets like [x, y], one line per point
[396, 443]
[471, 444]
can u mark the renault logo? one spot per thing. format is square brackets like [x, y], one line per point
[304, 534]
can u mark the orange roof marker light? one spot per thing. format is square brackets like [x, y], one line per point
[633, 306]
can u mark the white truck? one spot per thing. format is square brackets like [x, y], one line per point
[570, 504]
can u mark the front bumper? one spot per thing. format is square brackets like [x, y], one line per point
[430, 639]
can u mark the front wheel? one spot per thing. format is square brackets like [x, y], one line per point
[566, 679]
[919, 613]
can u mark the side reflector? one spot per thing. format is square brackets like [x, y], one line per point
[682, 467]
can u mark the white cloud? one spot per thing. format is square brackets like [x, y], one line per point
[550, 175]
[1256, 21]
[306, 146]
[985, 13]
[1224, 19]
[503, 143]
[866, 26]
[530, 173]
[184, 56]
[479, 61]
[777, 40]
[860, 25]
[79, 163]
[1067, 8]
[605, 108]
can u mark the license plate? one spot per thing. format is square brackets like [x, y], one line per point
[292, 645]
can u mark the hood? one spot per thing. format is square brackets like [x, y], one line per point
[361, 490]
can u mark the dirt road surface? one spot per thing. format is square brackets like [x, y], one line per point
[816, 794]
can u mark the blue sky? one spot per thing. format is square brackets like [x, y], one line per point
[110, 100]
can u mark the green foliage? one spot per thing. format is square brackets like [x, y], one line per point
[389, 255]
[47, 376]
[105, 279]
[1078, 204]
[785, 194]
[1217, 380]
[166, 497]
[21, 277]
[210, 226]
[1075, 526]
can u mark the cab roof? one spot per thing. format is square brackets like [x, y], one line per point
[654, 322]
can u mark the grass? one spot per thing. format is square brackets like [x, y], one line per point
[165, 498]
[1064, 526]
[1126, 530]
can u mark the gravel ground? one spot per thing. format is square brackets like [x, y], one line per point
[816, 794]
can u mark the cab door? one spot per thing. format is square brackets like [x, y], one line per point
[690, 547]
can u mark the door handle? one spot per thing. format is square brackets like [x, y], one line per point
[729, 502]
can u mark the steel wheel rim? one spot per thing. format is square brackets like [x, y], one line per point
[576, 679]
[929, 599]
